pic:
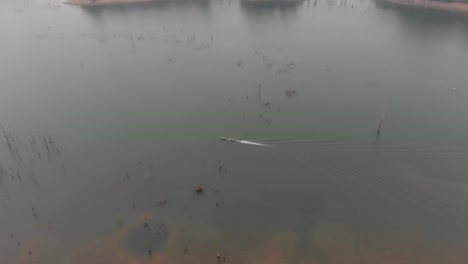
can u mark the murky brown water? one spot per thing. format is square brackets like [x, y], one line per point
[112, 116]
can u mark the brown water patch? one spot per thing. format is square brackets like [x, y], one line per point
[281, 247]
[146, 237]
[37, 250]
[328, 243]
[338, 244]
[102, 249]
[112, 248]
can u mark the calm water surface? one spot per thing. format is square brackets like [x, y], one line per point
[111, 116]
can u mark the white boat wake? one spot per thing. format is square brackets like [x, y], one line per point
[244, 142]
[253, 143]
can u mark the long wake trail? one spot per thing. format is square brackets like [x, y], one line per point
[437, 204]
[422, 198]
[253, 143]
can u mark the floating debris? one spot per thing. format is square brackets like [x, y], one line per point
[34, 212]
[147, 240]
[381, 120]
[281, 71]
[198, 189]
[291, 92]
[29, 147]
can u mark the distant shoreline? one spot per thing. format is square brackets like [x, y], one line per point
[104, 2]
[112, 2]
[431, 4]
[272, 1]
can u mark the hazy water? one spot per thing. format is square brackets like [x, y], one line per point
[108, 112]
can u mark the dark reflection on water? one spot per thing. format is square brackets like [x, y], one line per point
[429, 25]
[147, 8]
[268, 7]
[427, 17]
[262, 12]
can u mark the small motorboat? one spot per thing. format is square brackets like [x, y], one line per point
[232, 139]
[223, 138]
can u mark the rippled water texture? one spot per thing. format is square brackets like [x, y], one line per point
[112, 117]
